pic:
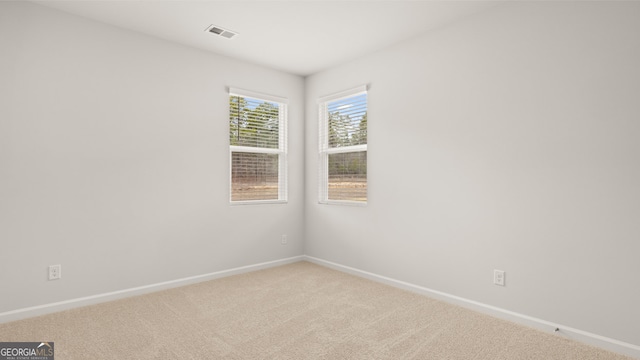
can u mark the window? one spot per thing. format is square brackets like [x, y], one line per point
[257, 147]
[343, 147]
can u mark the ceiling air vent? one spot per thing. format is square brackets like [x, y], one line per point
[217, 30]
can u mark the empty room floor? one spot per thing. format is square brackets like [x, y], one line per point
[295, 311]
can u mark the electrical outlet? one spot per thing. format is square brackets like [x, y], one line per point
[55, 272]
[283, 241]
[498, 277]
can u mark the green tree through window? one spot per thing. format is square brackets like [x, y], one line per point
[258, 152]
[343, 148]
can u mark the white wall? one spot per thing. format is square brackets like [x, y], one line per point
[114, 160]
[509, 140]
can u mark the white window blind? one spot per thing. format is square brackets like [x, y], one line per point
[258, 147]
[343, 147]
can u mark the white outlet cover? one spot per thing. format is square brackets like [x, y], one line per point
[55, 272]
[498, 277]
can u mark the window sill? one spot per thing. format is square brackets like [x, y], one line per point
[343, 202]
[257, 202]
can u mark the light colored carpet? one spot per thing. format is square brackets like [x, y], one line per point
[296, 311]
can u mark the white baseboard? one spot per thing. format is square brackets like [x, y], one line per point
[603, 342]
[28, 312]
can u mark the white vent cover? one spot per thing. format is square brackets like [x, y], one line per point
[217, 30]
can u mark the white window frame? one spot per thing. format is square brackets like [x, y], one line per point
[281, 151]
[325, 150]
